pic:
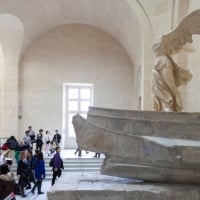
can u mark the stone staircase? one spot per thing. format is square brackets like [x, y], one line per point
[73, 165]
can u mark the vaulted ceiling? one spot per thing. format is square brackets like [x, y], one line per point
[115, 17]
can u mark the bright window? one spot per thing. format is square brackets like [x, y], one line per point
[77, 99]
[73, 93]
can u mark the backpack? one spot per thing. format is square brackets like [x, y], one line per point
[51, 162]
[12, 143]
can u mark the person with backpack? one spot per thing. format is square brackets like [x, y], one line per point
[12, 143]
[57, 164]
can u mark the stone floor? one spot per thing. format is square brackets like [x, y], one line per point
[46, 186]
[88, 186]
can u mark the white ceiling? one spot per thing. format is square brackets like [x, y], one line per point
[115, 17]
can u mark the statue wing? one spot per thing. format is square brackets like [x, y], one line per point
[182, 34]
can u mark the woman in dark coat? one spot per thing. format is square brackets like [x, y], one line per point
[22, 171]
[39, 140]
[40, 173]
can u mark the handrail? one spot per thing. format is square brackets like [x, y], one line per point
[2, 141]
[4, 138]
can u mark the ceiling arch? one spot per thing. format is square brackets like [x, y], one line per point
[113, 16]
[11, 36]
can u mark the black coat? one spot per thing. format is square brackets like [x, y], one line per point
[57, 137]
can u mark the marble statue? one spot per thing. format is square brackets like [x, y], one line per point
[167, 76]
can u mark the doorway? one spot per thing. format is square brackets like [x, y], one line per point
[76, 99]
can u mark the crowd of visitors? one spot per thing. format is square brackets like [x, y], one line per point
[30, 162]
[48, 141]
[29, 155]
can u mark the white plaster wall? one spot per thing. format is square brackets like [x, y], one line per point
[155, 19]
[2, 93]
[11, 35]
[191, 61]
[72, 54]
[193, 96]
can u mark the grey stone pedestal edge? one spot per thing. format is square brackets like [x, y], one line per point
[93, 186]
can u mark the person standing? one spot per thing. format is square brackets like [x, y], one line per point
[27, 140]
[57, 138]
[31, 134]
[21, 147]
[97, 155]
[22, 169]
[39, 141]
[7, 183]
[78, 150]
[47, 140]
[57, 165]
[40, 173]
[30, 170]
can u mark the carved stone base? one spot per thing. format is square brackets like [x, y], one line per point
[100, 187]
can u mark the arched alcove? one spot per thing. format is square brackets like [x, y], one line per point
[11, 36]
[72, 53]
[143, 67]
[1, 91]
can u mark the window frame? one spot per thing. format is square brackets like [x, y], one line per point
[66, 99]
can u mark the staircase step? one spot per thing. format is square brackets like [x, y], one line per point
[72, 165]
[79, 159]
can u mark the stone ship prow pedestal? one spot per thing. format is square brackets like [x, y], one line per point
[148, 155]
[147, 145]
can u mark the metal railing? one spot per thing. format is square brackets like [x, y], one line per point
[2, 141]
